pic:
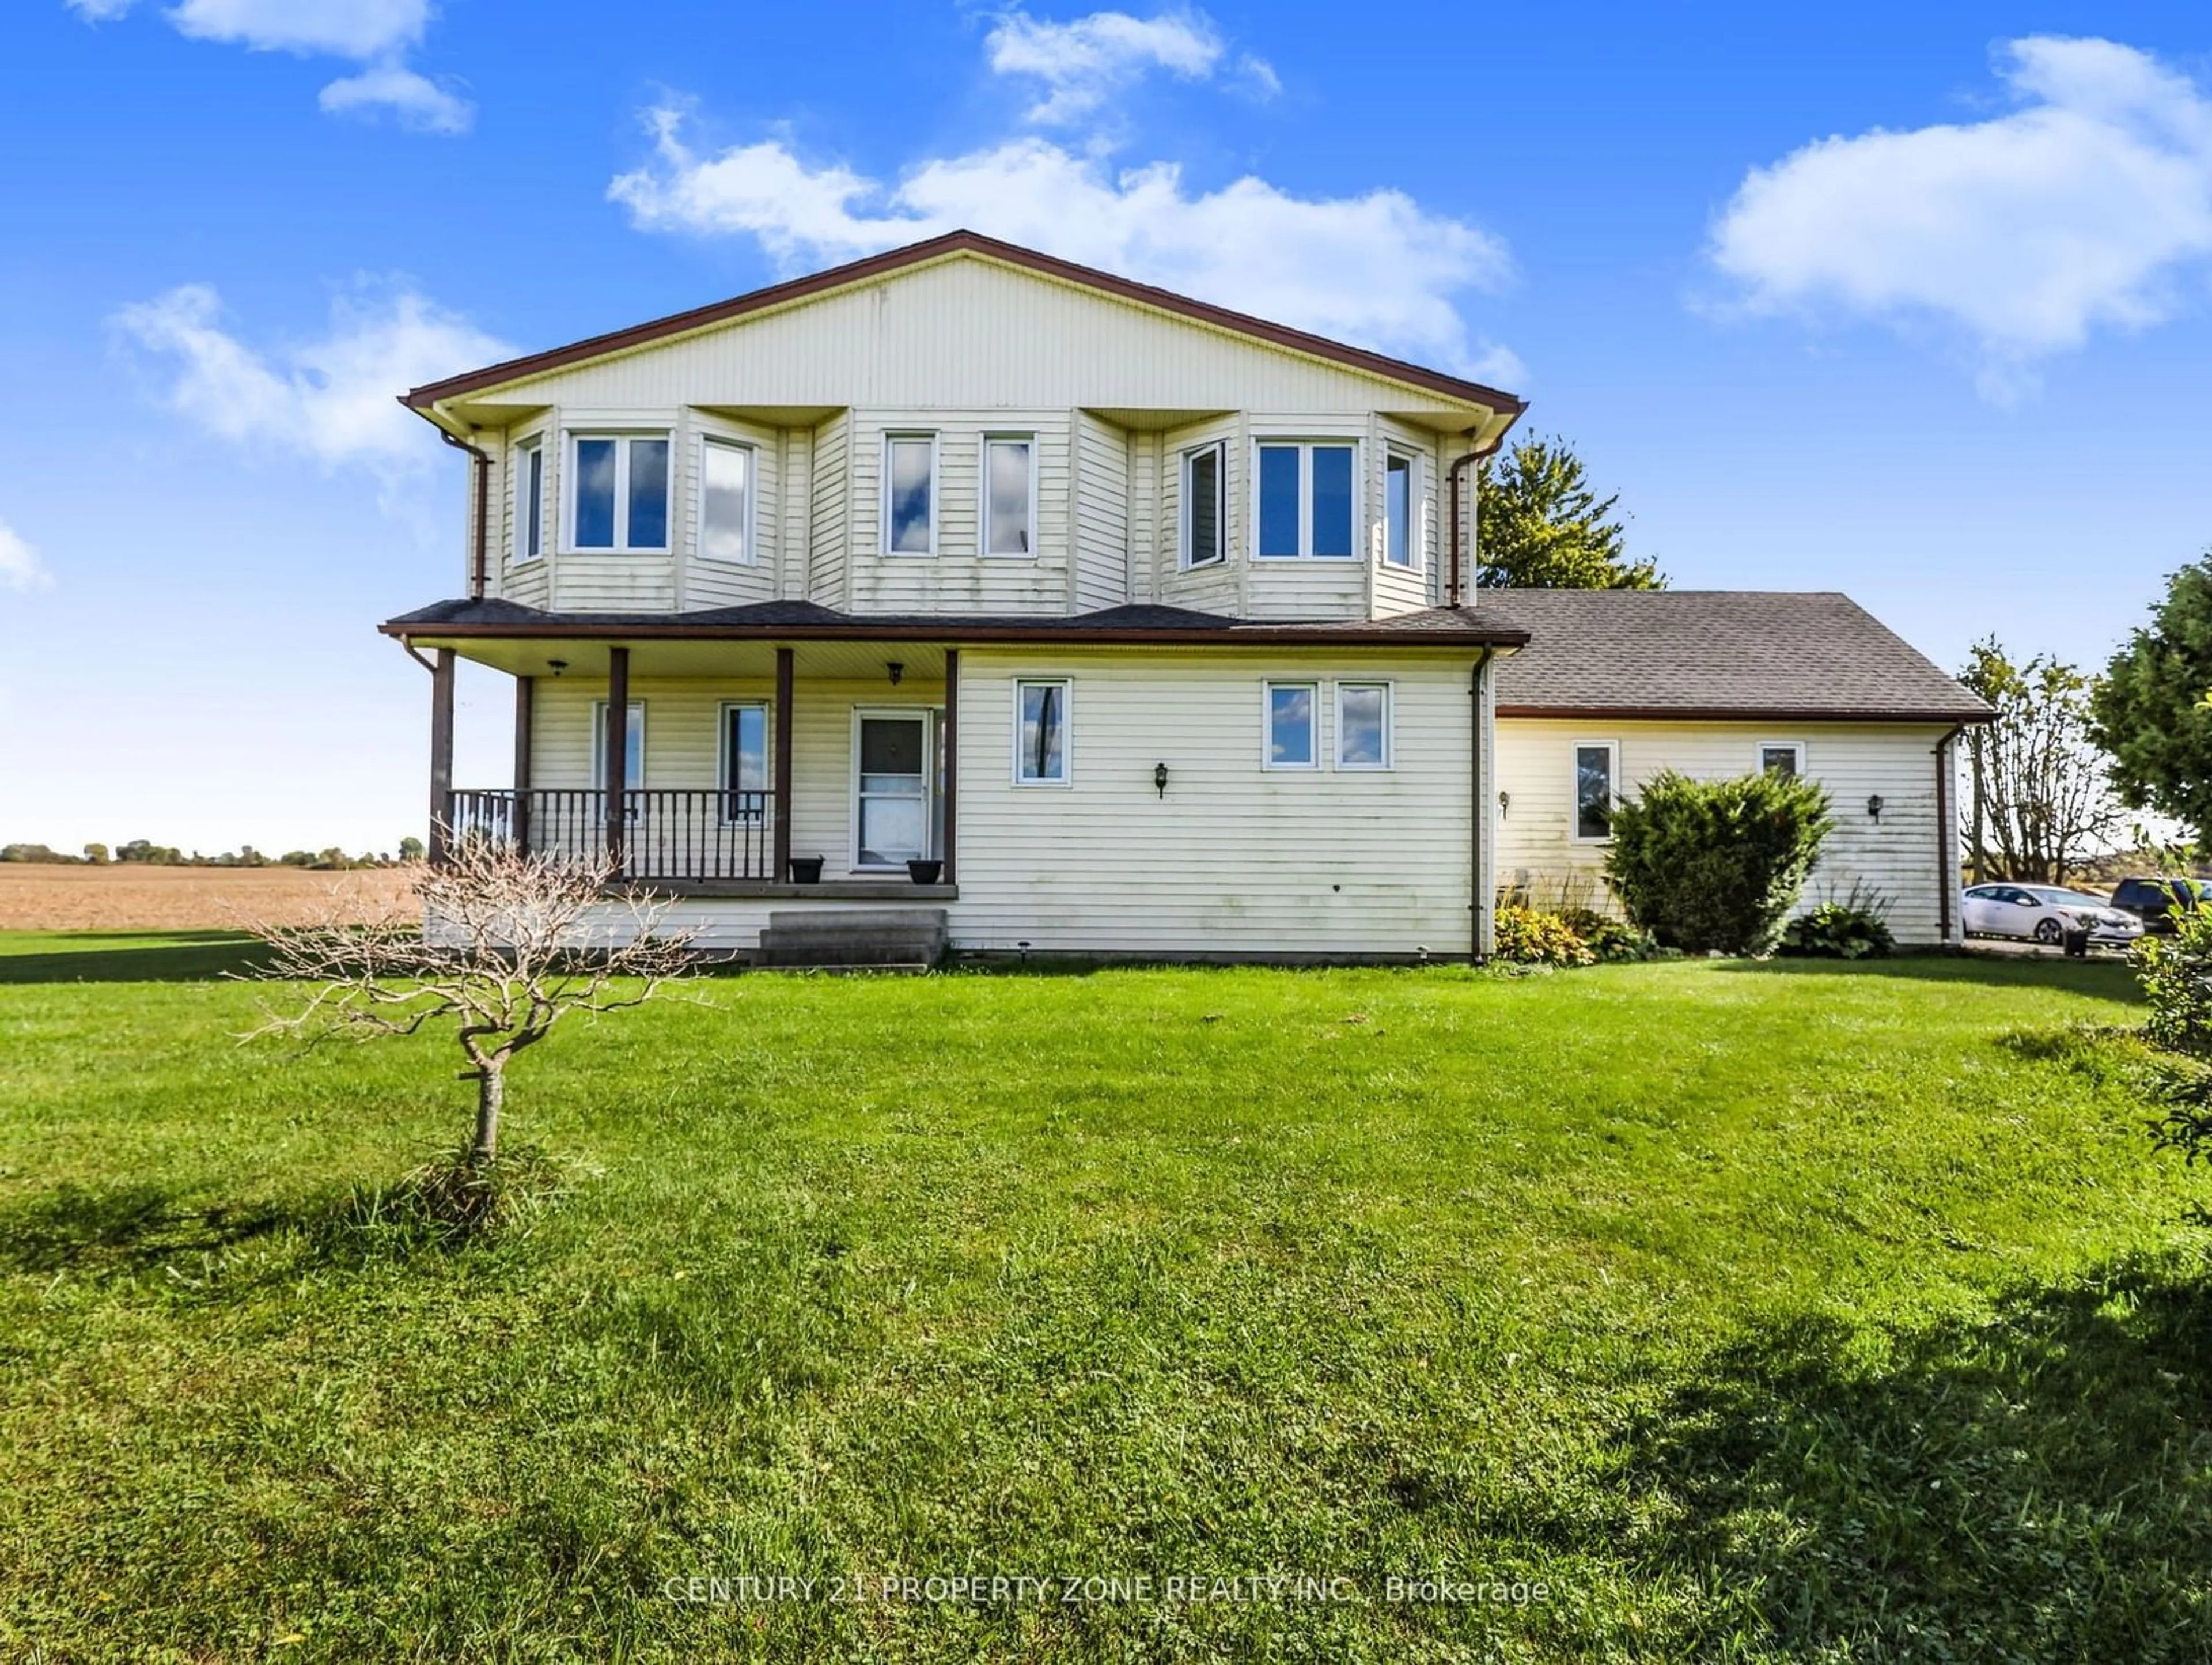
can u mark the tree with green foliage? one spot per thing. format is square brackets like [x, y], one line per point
[2150, 711]
[1539, 525]
[1707, 865]
[2039, 794]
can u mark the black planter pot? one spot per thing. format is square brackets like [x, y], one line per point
[806, 870]
[924, 872]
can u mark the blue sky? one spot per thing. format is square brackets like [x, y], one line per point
[1904, 300]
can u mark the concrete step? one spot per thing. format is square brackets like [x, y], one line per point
[811, 919]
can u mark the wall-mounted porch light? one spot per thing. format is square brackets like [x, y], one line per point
[896, 669]
[1504, 804]
[556, 666]
[1160, 778]
[1873, 808]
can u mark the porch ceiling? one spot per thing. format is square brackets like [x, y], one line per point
[826, 661]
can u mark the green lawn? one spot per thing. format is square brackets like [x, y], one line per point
[1757, 1313]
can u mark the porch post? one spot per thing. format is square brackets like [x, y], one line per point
[781, 786]
[526, 689]
[951, 762]
[441, 758]
[614, 747]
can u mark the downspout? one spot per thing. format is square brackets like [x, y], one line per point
[1453, 590]
[1947, 836]
[1476, 805]
[480, 572]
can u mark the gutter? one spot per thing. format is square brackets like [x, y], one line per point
[1477, 806]
[1946, 839]
[480, 570]
[1489, 448]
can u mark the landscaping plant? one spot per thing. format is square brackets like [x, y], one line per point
[504, 944]
[1855, 926]
[1533, 936]
[1709, 865]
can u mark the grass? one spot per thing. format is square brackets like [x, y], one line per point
[1757, 1313]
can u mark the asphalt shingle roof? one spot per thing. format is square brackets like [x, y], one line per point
[1718, 652]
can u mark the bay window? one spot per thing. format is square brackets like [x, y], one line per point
[1399, 548]
[618, 492]
[1306, 502]
[1203, 536]
[725, 501]
[529, 500]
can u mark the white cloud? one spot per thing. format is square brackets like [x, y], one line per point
[374, 34]
[1376, 268]
[342, 28]
[419, 103]
[1083, 62]
[2085, 208]
[333, 399]
[20, 566]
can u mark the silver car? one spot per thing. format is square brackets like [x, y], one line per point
[2045, 914]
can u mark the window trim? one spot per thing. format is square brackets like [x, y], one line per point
[1389, 725]
[932, 719]
[1220, 451]
[983, 496]
[892, 437]
[749, 532]
[1413, 562]
[1305, 447]
[1067, 686]
[1612, 748]
[1312, 765]
[571, 477]
[724, 790]
[528, 452]
[599, 781]
[1759, 754]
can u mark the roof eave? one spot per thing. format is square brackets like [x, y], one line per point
[1725, 714]
[953, 633]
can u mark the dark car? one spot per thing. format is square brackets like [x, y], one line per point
[2156, 900]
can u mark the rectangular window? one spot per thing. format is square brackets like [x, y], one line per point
[1596, 763]
[1307, 502]
[1782, 758]
[619, 491]
[1040, 733]
[745, 761]
[1291, 726]
[910, 493]
[726, 499]
[1362, 725]
[529, 501]
[1010, 496]
[1202, 501]
[1398, 512]
[1279, 531]
[633, 753]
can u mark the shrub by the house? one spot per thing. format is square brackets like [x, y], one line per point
[1850, 928]
[1534, 936]
[1715, 865]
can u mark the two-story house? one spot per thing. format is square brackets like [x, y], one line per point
[1087, 618]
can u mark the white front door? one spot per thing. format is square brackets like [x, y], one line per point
[894, 787]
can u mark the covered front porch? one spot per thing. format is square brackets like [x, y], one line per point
[811, 771]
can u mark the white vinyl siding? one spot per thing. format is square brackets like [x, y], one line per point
[826, 570]
[1896, 855]
[1105, 547]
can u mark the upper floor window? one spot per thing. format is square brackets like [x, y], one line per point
[618, 492]
[1010, 494]
[1293, 726]
[1399, 548]
[529, 500]
[1597, 762]
[1203, 541]
[1305, 501]
[910, 493]
[725, 501]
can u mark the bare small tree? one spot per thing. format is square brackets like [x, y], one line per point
[505, 944]
[2042, 796]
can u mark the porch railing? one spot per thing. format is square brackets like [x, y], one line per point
[688, 835]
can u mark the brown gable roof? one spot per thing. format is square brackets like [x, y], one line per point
[969, 242]
[1740, 654]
